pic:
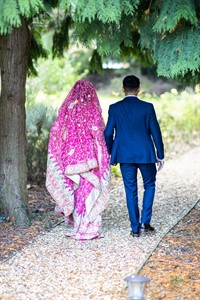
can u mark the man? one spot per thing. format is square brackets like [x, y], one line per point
[134, 140]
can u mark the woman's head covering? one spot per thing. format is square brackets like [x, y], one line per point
[77, 148]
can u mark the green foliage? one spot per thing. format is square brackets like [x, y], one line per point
[174, 41]
[115, 171]
[61, 76]
[105, 40]
[178, 117]
[61, 36]
[11, 12]
[105, 11]
[79, 59]
[29, 8]
[172, 12]
[164, 34]
[141, 54]
[36, 50]
[108, 28]
[9, 15]
[38, 124]
[101, 25]
[180, 59]
[33, 11]
[96, 63]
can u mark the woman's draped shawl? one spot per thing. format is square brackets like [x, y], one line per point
[77, 150]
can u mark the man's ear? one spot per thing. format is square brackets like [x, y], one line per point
[123, 90]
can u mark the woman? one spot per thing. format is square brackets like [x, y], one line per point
[78, 162]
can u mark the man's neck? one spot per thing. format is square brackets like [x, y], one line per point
[130, 95]
[131, 92]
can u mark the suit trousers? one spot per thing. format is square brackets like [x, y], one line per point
[129, 175]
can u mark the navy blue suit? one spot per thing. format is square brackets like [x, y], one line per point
[134, 140]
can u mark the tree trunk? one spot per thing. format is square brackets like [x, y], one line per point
[14, 49]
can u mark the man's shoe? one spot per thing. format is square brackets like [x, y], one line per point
[135, 234]
[146, 227]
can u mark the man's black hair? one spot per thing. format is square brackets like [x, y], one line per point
[131, 82]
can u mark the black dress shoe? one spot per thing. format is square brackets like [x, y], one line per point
[135, 234]
[146, 227]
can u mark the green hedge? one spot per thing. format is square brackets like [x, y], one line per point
[38, 124]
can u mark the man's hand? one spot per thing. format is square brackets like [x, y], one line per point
[160, 164]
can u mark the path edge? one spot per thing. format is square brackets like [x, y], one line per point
[165, 233]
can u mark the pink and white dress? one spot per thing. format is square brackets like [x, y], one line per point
[78, 171]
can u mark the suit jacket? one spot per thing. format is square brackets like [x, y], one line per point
[132, 132]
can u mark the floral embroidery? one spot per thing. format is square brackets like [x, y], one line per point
[73, 103]
[71, 152]
[80, 168]
[78, 171]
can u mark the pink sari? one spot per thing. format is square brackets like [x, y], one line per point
[78, 171]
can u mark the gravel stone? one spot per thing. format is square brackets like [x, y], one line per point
[56, 267]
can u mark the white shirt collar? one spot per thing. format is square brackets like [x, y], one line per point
[130, 96]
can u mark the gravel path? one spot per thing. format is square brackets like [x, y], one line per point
[55, 267]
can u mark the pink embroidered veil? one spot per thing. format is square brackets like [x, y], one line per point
[78, 169]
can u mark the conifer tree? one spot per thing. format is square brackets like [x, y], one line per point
[161, 33]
